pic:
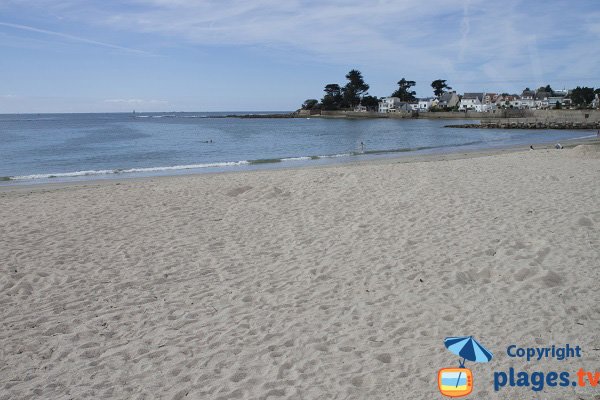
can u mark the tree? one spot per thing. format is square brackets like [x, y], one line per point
[582, 96]
[354, 89]
[371, 102]
[333, 97]
[333, 89]
[558, 106]
[403, 92]
[440, 87]
[309, 104]
[546, 89]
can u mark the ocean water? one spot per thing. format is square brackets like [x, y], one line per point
[49, 147]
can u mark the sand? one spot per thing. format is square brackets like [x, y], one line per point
[335, 282]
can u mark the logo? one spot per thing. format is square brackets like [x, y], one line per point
[458, 382]
[545, 380]
[455, 382]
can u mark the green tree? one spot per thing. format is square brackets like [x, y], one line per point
[333, 89]
[546, 89]
[333, 97]
[582, 96]
[355, 89]
[371, 102]
[309, 104]
[558, 106]
[440, 87]
[403, 92]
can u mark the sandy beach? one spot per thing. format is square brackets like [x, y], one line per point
[336, 282]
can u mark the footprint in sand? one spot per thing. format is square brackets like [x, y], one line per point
[384, 358]
[552, 279]
[240, 190]
[585, 222]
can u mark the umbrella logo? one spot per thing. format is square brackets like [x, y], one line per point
[458, 382]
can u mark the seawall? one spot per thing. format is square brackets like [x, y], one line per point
[497, 116]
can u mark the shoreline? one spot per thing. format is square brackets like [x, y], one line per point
[386, 159]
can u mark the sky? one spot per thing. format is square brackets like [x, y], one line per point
[271, 55]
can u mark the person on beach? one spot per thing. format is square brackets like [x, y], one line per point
[558, 146]
[531, 147]
[362, 147]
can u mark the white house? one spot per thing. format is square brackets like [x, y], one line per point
[471, 102]
[528, 99]
[425, 104]
[517, 102]
[394, 104]
[388, 103]
[564, 102]
[488, 107]
[562, 93]
[596, 101]
[541, 100]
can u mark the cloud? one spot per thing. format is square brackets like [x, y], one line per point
[436, 36]
[70, 37]
[470, 43]
[465, 28]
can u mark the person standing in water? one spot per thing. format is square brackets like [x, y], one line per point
[362, 147]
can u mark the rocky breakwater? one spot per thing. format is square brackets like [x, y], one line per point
[529, 125]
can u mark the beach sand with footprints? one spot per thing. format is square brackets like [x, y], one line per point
[336, 282]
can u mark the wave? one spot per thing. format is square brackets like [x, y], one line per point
[125, 171]
[420, 148]
[583, 137]
[155, 116]
[259, 161]
[29, 119]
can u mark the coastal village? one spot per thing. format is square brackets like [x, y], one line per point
[482, 102]
[353, 97]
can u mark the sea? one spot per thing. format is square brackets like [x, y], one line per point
[41, 148]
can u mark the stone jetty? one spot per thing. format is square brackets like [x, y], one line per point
[529, 125]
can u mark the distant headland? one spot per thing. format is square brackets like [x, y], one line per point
[542, 108]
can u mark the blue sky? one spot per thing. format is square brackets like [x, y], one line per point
[213, 55]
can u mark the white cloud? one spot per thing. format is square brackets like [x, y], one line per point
[69, 37]
[434, 36]
[465, 29]
[469, 43]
